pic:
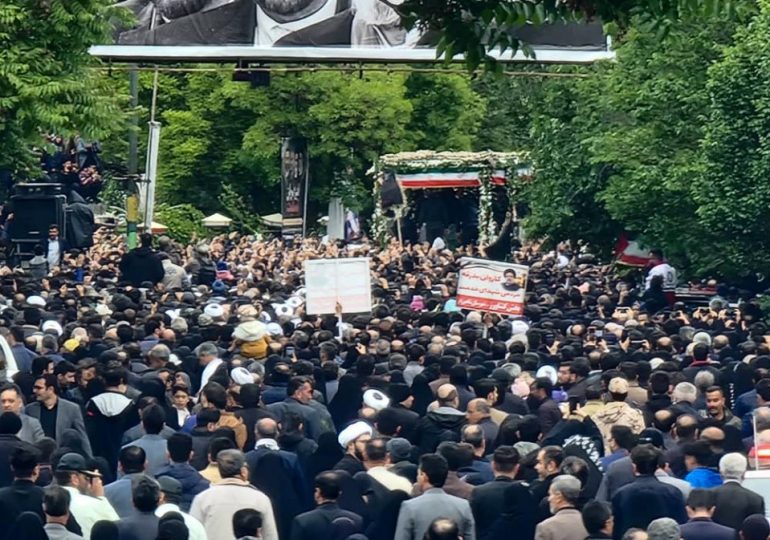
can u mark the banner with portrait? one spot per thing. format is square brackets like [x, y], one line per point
[294, 177]
[305, 30]
[492, 286]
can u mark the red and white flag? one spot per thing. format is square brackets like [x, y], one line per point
[631, 252]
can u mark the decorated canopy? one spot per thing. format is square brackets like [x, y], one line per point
[426, 169]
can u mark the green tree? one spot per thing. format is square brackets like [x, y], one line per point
[46, 80]
[221, 134]
[647, 131]
[733, 193]
[454, 124]
[474, 27]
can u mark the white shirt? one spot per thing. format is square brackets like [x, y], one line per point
[197, 532]
[182, 415]
[669, 276]
[270, 31]
[88, 510]
[209, 370]
[53, 256]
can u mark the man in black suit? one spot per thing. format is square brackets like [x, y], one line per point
[646, 498]
[10, 425]
[328, 516]
[732, 501]
[23, 495]
[487, 499]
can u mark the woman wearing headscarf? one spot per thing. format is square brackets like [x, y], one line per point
[344, 407]
[326, 455]
[423, 395]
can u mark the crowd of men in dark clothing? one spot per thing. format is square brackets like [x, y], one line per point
[183, 392]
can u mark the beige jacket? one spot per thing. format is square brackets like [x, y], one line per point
[617, 413]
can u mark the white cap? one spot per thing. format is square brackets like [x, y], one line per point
[656, 362]
[103, 310]
[274, 329]
[283, 310]
[294, 302]
[241, 375]
[36, 301]
[352, 432]
[519, 327]
[548, 372]
[214, 311]
[376, 399]
[53, 326]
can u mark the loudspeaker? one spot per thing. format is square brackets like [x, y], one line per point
[37, 190]
[33, 215]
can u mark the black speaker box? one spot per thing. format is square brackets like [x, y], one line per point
[33, 215]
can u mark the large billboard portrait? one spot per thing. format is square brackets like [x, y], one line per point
[309, 30]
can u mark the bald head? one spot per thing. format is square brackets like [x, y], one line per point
[686, 427]
[478, 410]
[713, 435]
[447, 396]
[267, 428]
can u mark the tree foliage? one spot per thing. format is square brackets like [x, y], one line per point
[221, 137]
[475, 27]
[733, 192]
[46, 83]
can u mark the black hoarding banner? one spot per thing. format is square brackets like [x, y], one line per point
[294, 177]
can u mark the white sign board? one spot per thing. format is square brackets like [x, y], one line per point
[343, 281]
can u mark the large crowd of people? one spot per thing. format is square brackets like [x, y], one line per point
[183, 392]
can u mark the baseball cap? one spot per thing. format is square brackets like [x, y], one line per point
[170, 486]
[75, 463]
[651, 436]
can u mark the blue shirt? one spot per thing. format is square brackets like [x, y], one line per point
[703, 478]
[23, 357]
[606, 461]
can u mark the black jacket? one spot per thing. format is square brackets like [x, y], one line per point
[24, 496]
[201, 438]
[318, 523]
[645, 500]
[442, 424]
[487, 502]
[350, 465]
[108, 416]
[8, 444]
[734, 503]
[140, 265]
[250, 417]
[407, 419]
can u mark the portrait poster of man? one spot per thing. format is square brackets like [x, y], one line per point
[319, 28]
[267, 23]
[492, 286]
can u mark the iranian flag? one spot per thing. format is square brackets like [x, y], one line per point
[631, 252]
